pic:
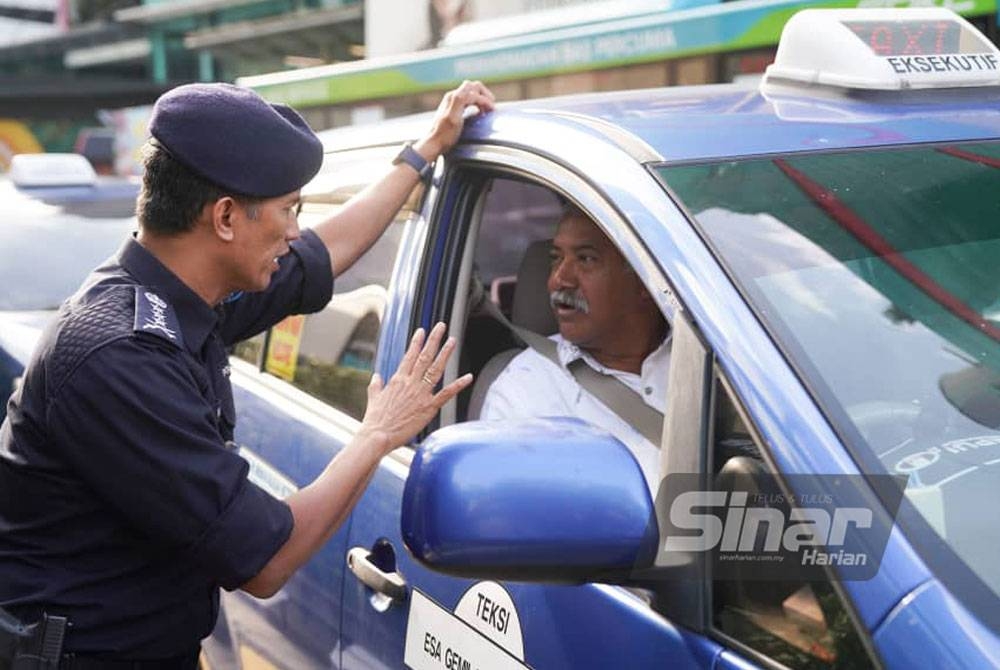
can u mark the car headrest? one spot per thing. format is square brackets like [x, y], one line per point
[531, 308]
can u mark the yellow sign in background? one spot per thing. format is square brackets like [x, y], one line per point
[283, 347]
[16, 138]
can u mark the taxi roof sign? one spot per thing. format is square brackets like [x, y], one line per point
[56, 169]
[882, 49]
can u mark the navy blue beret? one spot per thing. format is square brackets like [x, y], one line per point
[236, 139]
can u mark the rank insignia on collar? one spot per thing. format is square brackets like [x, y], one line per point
[156, 316]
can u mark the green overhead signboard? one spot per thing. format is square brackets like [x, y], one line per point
[707, 28]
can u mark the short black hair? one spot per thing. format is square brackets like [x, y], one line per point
[172, 196]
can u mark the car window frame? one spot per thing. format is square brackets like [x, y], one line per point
[481, 162]
[478, 165]
[718, 382]
[686, 446]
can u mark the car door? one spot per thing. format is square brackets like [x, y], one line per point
[397, 612]
[300, 393]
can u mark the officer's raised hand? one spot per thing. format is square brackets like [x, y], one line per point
[400, 409]
[396, 412]
[354, 228]
[450, 117]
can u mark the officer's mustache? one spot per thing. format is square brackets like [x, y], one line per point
[569, 299]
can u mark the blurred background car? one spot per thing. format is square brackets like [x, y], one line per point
[97, 145]
[60, 221]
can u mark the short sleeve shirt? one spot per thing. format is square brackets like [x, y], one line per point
[121, 506]
[532, 386]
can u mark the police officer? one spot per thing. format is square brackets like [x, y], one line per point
[121, 508]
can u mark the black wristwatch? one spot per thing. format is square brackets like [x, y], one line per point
[410, 156]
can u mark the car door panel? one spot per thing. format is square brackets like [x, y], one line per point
[561, 626]
[300, 626]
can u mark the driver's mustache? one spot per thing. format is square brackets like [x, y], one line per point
[569, 298]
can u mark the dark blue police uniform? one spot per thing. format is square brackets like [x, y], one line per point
[120, 506]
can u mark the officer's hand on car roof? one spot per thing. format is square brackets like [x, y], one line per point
[399, 409]
[450, 117]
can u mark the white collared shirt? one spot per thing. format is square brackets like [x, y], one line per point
[533, 386]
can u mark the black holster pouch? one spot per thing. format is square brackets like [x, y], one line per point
[36, 646]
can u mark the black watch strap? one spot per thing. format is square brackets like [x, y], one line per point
[410, 156]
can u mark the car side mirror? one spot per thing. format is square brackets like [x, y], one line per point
[553, 500]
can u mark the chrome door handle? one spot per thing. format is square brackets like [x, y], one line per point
[391, 584]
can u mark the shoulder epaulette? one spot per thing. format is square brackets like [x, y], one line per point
[155, 316]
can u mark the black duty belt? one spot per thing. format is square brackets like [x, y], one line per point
[39, 646]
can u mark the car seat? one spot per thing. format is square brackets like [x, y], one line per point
[530, 310]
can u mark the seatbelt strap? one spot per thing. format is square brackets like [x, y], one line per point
[617, 396]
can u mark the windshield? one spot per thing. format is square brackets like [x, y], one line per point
[878, 273]
[48, 246]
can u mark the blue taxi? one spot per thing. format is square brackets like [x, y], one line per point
[824, 247]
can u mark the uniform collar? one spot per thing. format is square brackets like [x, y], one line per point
[196, 317]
